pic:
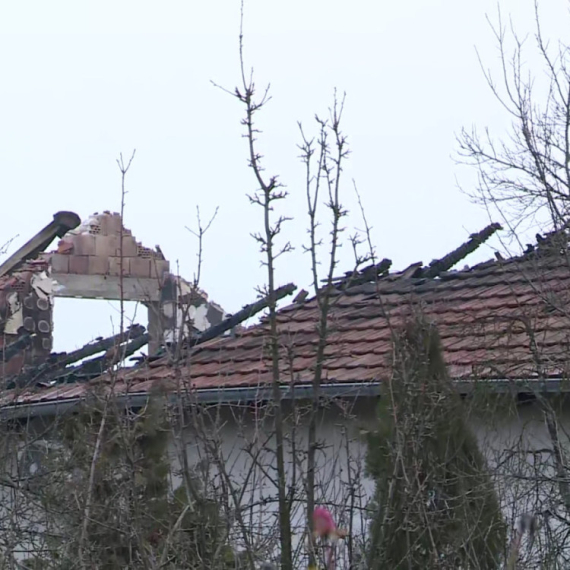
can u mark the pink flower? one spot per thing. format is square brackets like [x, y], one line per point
[323, 522]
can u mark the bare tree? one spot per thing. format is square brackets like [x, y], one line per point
[115, 497]
[525, 178]
[269, 192]
[526, 174]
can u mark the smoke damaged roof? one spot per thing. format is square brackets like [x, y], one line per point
[499, 320]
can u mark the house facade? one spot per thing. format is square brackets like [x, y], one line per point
[504, 328]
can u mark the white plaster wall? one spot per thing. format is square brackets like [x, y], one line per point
[43, 286]
[520, 454]
[232, 451]
[509, 436]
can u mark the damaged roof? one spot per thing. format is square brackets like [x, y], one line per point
[24, 275]
[486, 318]
[31, 277]
[501, 320]
[98, 258]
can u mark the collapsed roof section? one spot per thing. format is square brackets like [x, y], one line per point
[26, 291]
[358, 345]
[97, 259]
[101, 259]
[504, 321]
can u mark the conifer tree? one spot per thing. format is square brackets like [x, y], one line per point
[434, 504]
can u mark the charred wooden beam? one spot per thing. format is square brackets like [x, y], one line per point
[365, 275]
[22, 342]
[131, 333]
[242, 315]
[447, 262]
[62, 222]
[97, 366]
[58, 364]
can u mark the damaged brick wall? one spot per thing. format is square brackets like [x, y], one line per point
[95, 248]
[26, 306]
[183, 309]
[87, 264]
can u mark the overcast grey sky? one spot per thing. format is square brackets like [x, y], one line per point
[83, 81]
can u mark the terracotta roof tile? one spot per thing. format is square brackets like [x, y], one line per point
[480, 314]
[483, 315]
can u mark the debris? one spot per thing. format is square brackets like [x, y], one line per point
[56, 368]
[134, 331]
[22, 342]
[245, 313]
[555, 242]
[454, 257]
[61, 224]
[414, 270]
[301, 296]
[369, 273]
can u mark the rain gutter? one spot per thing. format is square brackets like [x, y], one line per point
[228, 396]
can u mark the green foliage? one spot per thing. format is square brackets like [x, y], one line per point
[435, 505]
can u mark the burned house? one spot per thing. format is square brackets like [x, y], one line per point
[96, 259]
[504, 326]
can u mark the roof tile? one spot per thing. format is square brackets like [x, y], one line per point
[484, 316]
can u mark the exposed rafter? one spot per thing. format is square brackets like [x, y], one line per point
[445, 263]
[62, 222]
